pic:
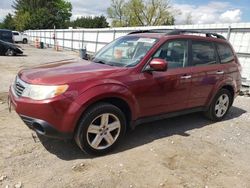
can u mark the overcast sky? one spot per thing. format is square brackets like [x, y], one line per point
[202, 11]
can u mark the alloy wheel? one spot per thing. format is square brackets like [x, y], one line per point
[103, 131]
[221, 105]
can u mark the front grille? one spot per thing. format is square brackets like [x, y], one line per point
[19, 87]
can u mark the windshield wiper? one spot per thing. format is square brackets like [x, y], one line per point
[102, 62]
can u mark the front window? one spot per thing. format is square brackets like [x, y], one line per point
[175, 53]
[125, 52]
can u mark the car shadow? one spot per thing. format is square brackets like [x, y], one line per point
[142, 134]
[17, 55]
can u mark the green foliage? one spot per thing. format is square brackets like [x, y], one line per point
[45, 14]
[118, 13]
[41, 14]
[8, 22]
[22, 20]
[140, 13]
[90, 22]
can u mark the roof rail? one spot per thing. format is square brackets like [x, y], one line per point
[148, 31]
[208, 34]
[179, 32]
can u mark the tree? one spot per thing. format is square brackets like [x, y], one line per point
[140, 13]
[189, 18]
[8, 22]
[117, 12]
[41, 14]
[90, 22]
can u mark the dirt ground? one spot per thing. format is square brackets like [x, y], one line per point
[186, 151]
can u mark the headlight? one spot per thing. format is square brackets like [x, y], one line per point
[41, 92]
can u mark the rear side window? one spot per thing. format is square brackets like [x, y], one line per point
[203, 53]
[6, 34]
[174, 52]
[225, 53]
[15, 33]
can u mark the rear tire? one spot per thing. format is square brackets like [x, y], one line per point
[25, 41]
[100, 129]
[220, 105]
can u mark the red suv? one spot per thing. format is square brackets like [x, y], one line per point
[141, 77]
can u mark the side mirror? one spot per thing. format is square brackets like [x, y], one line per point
[157, 64]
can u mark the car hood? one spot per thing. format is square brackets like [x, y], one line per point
[67, 71]
[10, 44]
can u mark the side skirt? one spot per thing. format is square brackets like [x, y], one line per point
[165, 116]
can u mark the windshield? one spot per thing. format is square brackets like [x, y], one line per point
[125, 52]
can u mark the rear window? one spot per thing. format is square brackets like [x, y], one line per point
[6, 34]
[203, 53]
[225, 53]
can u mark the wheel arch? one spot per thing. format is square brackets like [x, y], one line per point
[226, 85]
[230, 88]
[125, 102]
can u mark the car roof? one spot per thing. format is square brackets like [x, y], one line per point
[7, 30]
[179, 35]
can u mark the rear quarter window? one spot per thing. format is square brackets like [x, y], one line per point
[203, 53]
[225, 53]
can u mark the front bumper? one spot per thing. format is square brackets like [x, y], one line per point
[44, 128]
[56, 117]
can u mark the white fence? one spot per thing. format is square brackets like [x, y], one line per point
[94, 39]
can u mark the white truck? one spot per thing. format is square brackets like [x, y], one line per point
[20, 37]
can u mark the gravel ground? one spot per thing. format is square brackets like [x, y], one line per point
[186, 151]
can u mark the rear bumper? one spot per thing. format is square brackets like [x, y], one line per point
[44, 128]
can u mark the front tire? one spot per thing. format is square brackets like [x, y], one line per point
[100, 129]
[220, 105]
[10, 52]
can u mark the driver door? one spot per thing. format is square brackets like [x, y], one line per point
[163, 92]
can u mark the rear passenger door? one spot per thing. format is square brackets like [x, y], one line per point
[206, 72]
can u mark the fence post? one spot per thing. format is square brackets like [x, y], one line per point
[228, 33]
[72, 43]
[50, 38]
[96, 42]
[114, 34]
[82, 38]
[63, 40]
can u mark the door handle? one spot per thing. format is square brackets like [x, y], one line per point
[186, 77]
[220, 72]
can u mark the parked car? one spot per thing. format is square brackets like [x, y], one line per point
[9, 49]
[20, 37]
[141, 77]
[6, 35]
